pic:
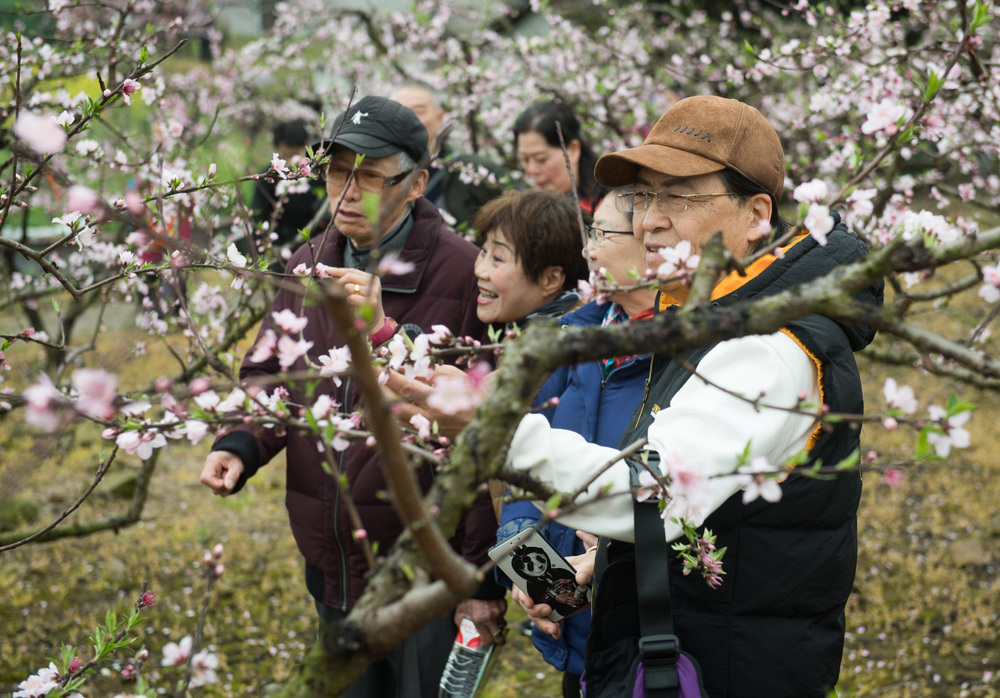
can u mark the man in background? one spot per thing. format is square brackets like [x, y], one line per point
[458, 184]
[286, 206]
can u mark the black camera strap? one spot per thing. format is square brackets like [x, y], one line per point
[659, 647]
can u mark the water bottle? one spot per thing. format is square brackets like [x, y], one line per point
[467, 664]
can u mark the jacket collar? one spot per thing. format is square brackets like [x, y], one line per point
[735, 280]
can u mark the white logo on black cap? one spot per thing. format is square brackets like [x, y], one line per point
[357, 116]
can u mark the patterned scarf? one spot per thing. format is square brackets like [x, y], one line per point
[615, 315]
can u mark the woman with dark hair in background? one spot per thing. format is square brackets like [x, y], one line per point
[536, 139]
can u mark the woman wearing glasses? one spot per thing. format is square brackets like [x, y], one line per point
[595, 400]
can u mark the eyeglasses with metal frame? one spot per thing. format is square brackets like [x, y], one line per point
[367, 180]
[599, 236]
[672, 204]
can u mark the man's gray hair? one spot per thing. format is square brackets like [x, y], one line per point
[404, 162]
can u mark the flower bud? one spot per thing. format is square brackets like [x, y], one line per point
[217, 551]
[219, 570]
[211, 170]
[200, 385]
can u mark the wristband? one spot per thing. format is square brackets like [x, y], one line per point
[384, 334]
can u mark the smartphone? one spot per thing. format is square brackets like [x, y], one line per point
[537, 569]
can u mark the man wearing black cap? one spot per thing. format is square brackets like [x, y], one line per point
[439, 288]
[774, 624]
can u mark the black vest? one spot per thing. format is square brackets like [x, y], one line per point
[775, 627]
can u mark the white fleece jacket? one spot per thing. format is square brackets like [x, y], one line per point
[704, 425]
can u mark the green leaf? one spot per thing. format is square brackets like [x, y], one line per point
[980, 16]
[71, 686]
[924, 451]
[367, 313]
[955, 405]
[851, 462]
[144, 54]
[97, 639]
[553, 502]
[370, 205]
[66, 654]
[934, 84]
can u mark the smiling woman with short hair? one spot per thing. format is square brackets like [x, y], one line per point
[532, 257]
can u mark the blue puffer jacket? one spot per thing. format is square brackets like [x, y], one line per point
[597, 408]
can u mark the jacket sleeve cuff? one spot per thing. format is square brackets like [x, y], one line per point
[244, 446]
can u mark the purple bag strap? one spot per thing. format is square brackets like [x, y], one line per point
[689, 684]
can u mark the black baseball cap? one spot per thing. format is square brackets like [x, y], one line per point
[377, 127]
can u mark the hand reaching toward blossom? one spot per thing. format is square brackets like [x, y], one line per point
[362, 289]
[221, 472]
[418, 398]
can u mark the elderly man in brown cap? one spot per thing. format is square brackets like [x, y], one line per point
[773, 625]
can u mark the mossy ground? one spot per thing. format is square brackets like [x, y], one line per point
[922, 621]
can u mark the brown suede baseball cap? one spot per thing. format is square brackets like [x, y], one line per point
[700, 135]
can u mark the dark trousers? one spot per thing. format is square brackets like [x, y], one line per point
[412, 669]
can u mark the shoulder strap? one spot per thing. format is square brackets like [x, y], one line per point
[659, 647]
